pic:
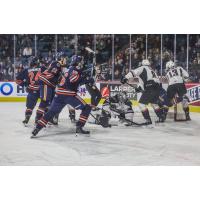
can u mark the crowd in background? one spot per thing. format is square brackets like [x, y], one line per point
[115, 54]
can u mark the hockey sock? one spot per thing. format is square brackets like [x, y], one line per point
[82, 120]
[28, 114]
[44, 120]
[41, 123]
[146, 115]
[84, 115]
[165, 111]
[159, 114]
[40, 112]
[187, 113]
[41, 109]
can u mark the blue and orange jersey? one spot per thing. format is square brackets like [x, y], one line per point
[71, 80]
[30, 78]
[51, 75]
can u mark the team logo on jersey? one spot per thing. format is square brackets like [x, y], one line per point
[82, 91]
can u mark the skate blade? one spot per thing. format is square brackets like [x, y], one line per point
[150, 126]
[81, 134]
[33, 136]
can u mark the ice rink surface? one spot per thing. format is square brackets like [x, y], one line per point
[164, 144]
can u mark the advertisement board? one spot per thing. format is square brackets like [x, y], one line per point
[193, 90]
[10, 91]
[112, 88]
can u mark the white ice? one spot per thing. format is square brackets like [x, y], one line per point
[165, 144]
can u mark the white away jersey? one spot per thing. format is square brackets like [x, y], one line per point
[145, 73]
[176, 75]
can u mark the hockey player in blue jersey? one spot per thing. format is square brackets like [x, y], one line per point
[163, 103]
[48, 81]
[30, 79]
[66, 93]
[94, 92]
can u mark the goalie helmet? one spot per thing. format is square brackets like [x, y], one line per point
[145, 62]
[169, 65]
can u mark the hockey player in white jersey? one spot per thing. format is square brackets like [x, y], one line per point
[151, 89]
[177, 76]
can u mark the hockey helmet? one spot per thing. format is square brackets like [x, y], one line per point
[61, 58]
[33, 61]
[77, 61]
[169, 65]
[145, 62]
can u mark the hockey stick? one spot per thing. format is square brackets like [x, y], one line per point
[135, 123]
[127, 120]
[100, 122]
[90, 50]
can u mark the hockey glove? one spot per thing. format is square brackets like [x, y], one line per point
[138, 89]
[89, 81]
[124, 80]
[122, 115]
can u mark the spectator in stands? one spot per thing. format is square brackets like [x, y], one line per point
[27, 52]
[122, 49]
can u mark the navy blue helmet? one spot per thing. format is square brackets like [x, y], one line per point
[33, 61]
[76, 60]
[59, 55]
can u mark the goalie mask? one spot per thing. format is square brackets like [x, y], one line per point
[122, 97]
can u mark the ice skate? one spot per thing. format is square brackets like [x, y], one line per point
[80, 130]
[35, 132]
[25, 122]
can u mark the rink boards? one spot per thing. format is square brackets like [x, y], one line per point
[11, 92]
